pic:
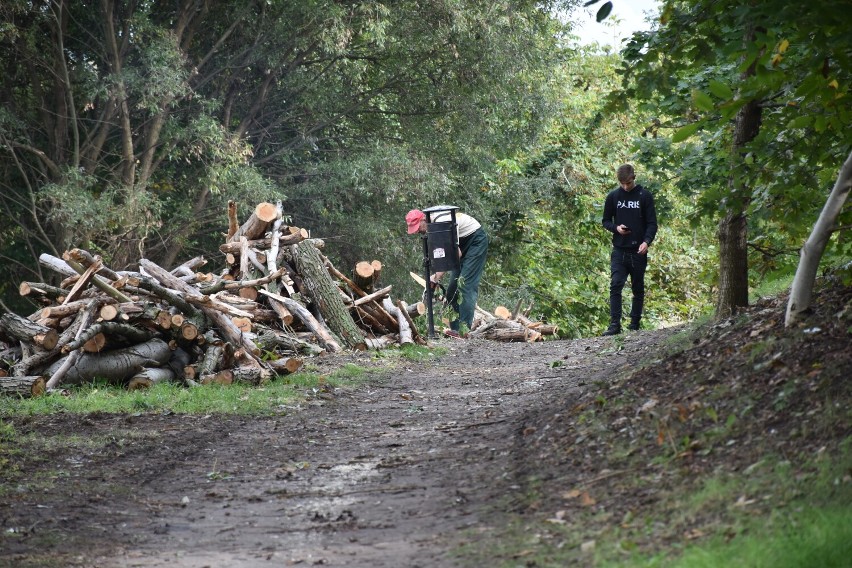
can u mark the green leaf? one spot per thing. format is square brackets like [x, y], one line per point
[702, 100]
[604, 11]
[685, 132]
[720, 89]
[800, 122]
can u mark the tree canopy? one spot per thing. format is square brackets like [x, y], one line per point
[126, 127]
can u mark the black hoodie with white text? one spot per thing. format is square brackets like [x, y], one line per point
[635, 209]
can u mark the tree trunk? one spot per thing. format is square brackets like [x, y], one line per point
[22, 386]
[803, 282]
[149, 377]
[733, 229]
[22, 329]
[257, 224]
[733, 264]
[364, 276]
[325, 295]
[115, 366]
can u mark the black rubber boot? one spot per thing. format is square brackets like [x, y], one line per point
[613, 329]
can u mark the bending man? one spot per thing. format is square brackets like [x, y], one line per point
[473, 248]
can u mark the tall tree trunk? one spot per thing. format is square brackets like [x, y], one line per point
[733, 229]
[803, 283]
[733, 264]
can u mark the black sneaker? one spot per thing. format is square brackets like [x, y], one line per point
[612, 330]
[634, 326]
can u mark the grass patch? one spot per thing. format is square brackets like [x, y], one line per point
[772, 514]
[771, 287]
[809, 537]
[270, 398]
[411, 352]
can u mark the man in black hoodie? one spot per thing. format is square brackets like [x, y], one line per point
[630, 216]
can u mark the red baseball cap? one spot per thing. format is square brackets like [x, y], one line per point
[413, 219]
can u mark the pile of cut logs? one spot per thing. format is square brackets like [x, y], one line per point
[277, 299]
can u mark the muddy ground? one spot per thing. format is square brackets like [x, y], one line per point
[430, 461]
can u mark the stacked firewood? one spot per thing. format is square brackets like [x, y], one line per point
[506, 325]
[277, 299]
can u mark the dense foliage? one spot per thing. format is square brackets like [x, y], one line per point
[787, 66]
[551, 248]
[126, 127]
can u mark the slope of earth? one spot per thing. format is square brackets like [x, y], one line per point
[487, 453]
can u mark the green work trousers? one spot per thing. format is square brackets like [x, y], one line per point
[463, 290]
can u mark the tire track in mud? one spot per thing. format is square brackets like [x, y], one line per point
[385, 475]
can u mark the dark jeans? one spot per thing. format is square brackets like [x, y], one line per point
[623, 263]
[466, 283]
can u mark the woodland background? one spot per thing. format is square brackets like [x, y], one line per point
[126, 126]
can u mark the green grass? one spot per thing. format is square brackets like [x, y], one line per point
[773, 285]
[806, 538]
[270, 398]
[411, 352]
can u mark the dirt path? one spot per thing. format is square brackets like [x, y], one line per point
[395, 473]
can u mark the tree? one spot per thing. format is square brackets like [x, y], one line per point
[800, 291]
[776, 134]
[126, 125]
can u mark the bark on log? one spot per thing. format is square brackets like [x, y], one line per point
[403, 311]
[282, 312]
[234, 248]
[115, 366]
[251, 375]
[87, 260]
[127, 332]
[226, 327]
[212, 360]
[323, 292]
[45, 357]
[377, 270]
[57, 265]
[15, 327]
[233, 222]
[405, 333]
[149, 377]
[22, 386]
[41, 291]
[271, 340]
[225, 378]
[375, 296]
[369, 321]
[286, 365]
[192, 265]
[318, 329]
[381, 315]
[381, 342]
[64, 310]
[81, 283]
[506, 330]
[165, 293]
[257, 224]
[363, 277]
[99, 283]
[274, 248]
